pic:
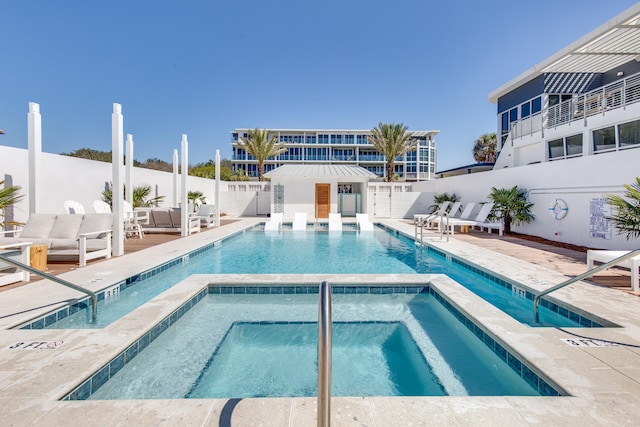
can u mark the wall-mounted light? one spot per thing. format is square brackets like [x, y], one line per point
[620, 73]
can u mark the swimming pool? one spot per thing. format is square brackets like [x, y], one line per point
[248, 345]
[256, 252]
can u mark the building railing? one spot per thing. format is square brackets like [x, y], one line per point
[598, 101]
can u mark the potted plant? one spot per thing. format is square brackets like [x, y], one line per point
[511, 206]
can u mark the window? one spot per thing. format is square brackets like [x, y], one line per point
[570, 146]
[536, 105]
[556, 149]
[574, 145]
[525, 110]
[323, 139]
[604, 139]
[336, 139]
[513, 115]
[629, 134]
[349, 139]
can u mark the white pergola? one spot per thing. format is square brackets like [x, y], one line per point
[612, 44]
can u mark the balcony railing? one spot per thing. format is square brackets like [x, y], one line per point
[599, 101]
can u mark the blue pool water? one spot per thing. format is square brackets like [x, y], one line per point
[256, 252]
[265, 345]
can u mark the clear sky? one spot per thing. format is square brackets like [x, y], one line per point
[206, 67]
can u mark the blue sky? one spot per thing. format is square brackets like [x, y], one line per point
[204, 68]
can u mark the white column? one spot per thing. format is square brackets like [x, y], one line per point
[175, 179]
[217, 198]
[34, 136]
[117, 159]
[128, 187]
[184, 212]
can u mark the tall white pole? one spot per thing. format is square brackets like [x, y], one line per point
[184, 212]
[117, 159]
[34, 136]
[175, 178]
[217, 198]
[128, 188]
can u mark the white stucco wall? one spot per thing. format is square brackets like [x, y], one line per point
[577, 181]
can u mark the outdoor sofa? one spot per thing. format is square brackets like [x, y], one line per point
[168, 220]
[67, 236]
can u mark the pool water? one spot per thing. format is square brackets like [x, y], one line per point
[265, 345]
[257, 252]
[382, 355]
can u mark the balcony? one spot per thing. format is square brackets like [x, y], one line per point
[599, 101]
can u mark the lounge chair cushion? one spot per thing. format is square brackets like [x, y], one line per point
[175, 215]
[96, 222]
[66, 226]
[160, 218]
[39, 226]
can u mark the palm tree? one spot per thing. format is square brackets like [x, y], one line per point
[438, 199]
[262, 145]
[627, 216]
[484, 150]
[139, 197]
[511, 205]
[392, 140]
[8, 197]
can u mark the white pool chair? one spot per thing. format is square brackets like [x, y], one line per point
[299, 221]
[480, 221]
[73, 207]
[275, 223]
[605, 256]
[442, 209]
[335, 222]
[363, 222]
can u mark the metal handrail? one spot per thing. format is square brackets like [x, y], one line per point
[94, 297]
[324, 356]
[588, 273]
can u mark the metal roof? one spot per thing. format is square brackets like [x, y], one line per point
[612, 44]
[320, 170]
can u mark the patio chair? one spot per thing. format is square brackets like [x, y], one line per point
[335, 222]
[206, 213]
[363, 223]
[275, 223]
[434, 220]
[440, 210]
[73, 207]
[100, 206]
[132, 220]
[480, 220]
[299, 222]
[603, 256]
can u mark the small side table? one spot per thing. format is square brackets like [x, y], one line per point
[38, 256]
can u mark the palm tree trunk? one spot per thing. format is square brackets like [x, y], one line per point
[390, 171]
[260, 171]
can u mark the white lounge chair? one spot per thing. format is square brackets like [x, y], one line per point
[207, 215]
[442, 209]
[275, 223]
[19, 252]
[605, 256]
[299, 222]
[480, 220]
[335, 222]
[73, 207]
[363, 223]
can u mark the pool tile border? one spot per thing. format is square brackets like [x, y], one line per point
[556, 308]
[89, 386]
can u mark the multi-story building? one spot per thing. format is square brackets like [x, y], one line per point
[582, 101]
[322, 146]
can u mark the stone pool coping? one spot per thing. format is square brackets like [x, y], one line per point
[603, 381]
